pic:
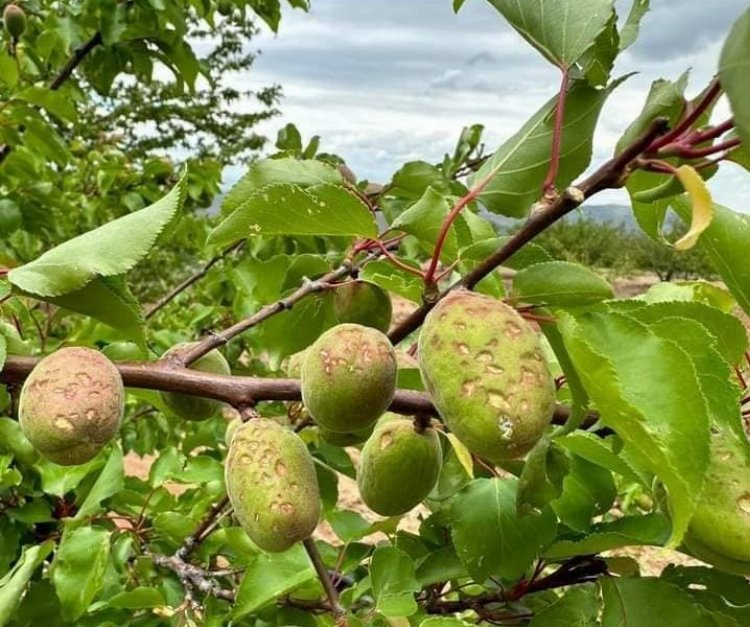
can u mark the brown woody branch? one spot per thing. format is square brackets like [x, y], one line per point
[236, 390]
[610, 175]
[191, 280]
[62, 76]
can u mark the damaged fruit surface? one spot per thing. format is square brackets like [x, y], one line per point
[71, 405]
[272, 485]
[483, 367]
[349, 378]
[399, 466]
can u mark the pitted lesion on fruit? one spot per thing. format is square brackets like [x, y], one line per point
[386, 439]
[468, 387]
[512, 330]
[498, 400]
[462, 348]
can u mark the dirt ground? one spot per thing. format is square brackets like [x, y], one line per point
[651, 559]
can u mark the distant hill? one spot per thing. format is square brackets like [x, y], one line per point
[606, 214]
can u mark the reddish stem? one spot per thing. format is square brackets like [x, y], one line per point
[471, 196]
[691, 115]
[554, 163]
[694, 153]
[397, 262]
[712, 133]
[657, 165]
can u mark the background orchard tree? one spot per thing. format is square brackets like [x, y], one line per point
[533, 427]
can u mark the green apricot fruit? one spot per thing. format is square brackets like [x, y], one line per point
[272, 485]
[71, 405]
[14, 19]
[399, 466]
[483, 367]
[231, 429]
[719, 531]
[346, 439]
[349, 377]
[360, 302]
[190, 407]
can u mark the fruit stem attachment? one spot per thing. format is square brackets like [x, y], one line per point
[320, 568]
[422, 422]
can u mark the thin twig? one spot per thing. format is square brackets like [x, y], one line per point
[308, 287]
[191, 280]
[64, 74]
[325, 579]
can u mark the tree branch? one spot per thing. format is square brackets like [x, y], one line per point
[191, 280]
[611, 174]
[236, 390]
[64, 74]
[308, 287]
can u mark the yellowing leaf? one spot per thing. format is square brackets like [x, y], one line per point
[462, 453]
[703, 206]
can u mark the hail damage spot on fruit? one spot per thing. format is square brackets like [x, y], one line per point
[56, 412]
[348, 378]
[506, 380]
[744, 503]
[275, 494]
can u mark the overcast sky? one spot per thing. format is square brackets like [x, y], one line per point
[387, 82]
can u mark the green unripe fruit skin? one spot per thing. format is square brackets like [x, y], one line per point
[398, 467]
[231, 429]
[349, 378]
[194, 407]
[719, 531]
[14, 19]
[71, 405]
[272, 485]
[360, 302]
[483, 367]
[346, 439]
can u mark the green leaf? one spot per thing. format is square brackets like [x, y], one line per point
[394, 581]
[393, 279]
[270, 577]
[559, 284]
[440, 565]
[541, 479]
[598, 451]
[597, 62]
[490, 538]
[651, 529]
[734, 65]
[108, 483]
[562, 30]
[348, 526]
[663, 417]
[635, 602]
[278, 171]
[13, 584]
[78, 570]
[725, 241]
[521, 163]
[629, 30]
[138, 598]
[2, 351]
[726, 330]
[109, 300]
[528, 255]
[109, 251]
[578, 607]
[288, 209]
[588, 491]
[55, 102]
[665, 99]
